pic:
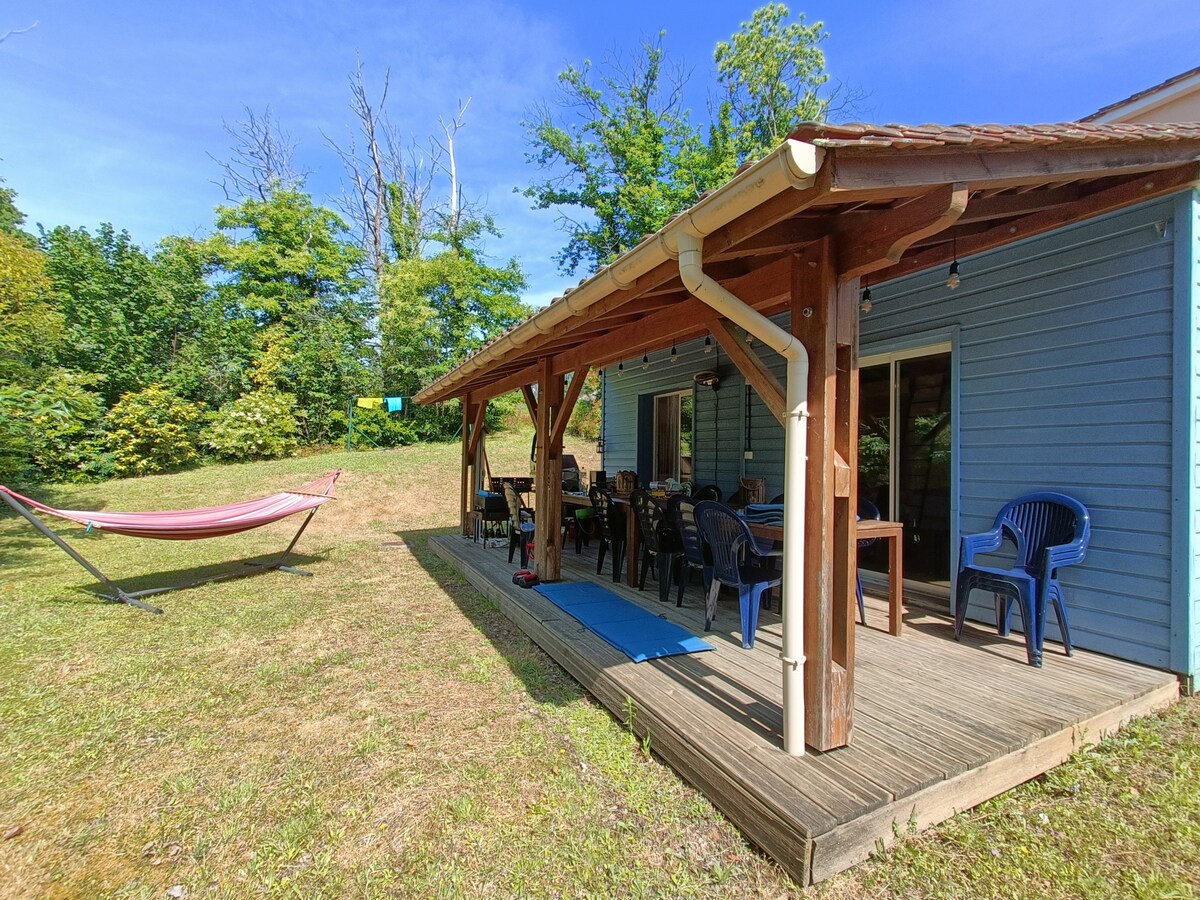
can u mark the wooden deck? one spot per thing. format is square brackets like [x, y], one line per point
[940, 725]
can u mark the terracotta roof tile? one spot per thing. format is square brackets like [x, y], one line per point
[929, 136]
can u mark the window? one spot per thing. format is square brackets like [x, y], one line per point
[673, 436]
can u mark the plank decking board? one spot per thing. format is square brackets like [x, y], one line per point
[940, 724]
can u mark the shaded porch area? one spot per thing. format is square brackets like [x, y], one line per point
[939, 725]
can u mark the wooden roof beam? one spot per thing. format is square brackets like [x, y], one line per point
[1127, 193]
[563, 414]
[1013, 168]
[750, 364]
[886, 235]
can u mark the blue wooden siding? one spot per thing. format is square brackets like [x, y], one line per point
[1066, 357]
[1065, 349]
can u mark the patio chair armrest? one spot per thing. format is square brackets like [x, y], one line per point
[1063, 555]
[984, 542]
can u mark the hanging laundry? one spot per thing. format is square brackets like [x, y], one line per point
[369, 402]
[393, 404]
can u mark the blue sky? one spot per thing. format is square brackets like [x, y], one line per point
[109, 112]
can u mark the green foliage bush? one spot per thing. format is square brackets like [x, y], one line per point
[152, 430]
[258, 425]
[68, 424]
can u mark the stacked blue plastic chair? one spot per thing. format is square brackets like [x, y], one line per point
[736, 563]
[1050, 531]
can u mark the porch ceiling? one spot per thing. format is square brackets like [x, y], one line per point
[892, 199]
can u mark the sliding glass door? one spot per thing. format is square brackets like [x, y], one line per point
[904, 464]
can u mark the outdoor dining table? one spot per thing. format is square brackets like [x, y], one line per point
[893, 533]
[632, 534]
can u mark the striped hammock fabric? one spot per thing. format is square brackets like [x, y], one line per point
[194, 524]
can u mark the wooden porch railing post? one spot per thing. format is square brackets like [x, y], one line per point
[828, 593]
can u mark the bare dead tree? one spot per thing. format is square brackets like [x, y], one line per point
[262, 160]
[391, 185]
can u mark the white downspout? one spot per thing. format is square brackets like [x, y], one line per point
[700, 285]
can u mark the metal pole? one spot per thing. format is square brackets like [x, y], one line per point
[70, 551]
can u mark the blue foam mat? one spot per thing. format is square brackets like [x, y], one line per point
[636, 632]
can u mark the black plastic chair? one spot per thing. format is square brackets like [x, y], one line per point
[520, 525]
[1050, 530]
[737, 563]
[682, 510]
[866, 510]
[610, 524]
[708, 492]
[660, 540]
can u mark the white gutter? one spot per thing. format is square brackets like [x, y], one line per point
[691, 245]
[791, 166]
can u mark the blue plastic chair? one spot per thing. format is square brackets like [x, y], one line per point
[866, 510]
[737, 563]
[1050, 530]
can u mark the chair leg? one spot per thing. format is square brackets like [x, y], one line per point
[665, 565]
[962, 594]
[618, 551]
[862, 608]
[750, 600]
[600, 555]
[710, 604]
[1060, 610]
[645, 568]
[683, 577]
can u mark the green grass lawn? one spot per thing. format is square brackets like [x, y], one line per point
[381, 730]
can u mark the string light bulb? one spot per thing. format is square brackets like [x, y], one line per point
[674, 353]
[865, 304]
[645, 361]
[952, 279]
[708, 343]
[620, 368]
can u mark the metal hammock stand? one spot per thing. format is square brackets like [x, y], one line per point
[184, 525]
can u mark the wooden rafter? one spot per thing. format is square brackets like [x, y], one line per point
[480, 410]
[888, 234]
[1136, 190]
[563, 415]
[530, 401]
[753, 369]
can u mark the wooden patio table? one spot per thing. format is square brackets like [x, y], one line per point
[893, 533]
[632, 534]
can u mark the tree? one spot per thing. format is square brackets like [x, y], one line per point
[438, 310]
[619, 160]
[123, 312]
[624, 154]
[284, 256]
[289, 265]
[262, 161]
[771, 72]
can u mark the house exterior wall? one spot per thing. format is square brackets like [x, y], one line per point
[1185, 645]
[1071, 375]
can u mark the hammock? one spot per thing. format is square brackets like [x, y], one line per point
[185, 525]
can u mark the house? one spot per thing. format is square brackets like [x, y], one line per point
[941, 318]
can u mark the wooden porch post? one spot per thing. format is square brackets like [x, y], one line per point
[465, 496]
[823, 321]
[548, 487]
